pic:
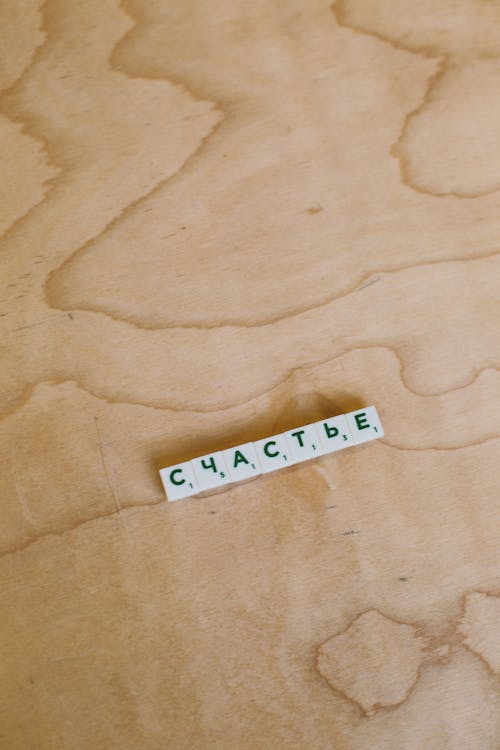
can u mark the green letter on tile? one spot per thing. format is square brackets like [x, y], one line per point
[361, 421]
[174, 481]
[211, 464]
[331, 432]
[239, 458]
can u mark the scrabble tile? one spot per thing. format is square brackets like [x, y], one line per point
[334, 434]
[179, 481]
[242, 462]
[365, 424]
[273, 453]
[210, 471]
[304, 443]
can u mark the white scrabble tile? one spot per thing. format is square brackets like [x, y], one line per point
[334, 433]
[179, 481]
[273, 453]
[242, 462]
[210, 471]
[365, 424]
[304, 443]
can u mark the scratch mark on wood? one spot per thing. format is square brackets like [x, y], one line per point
[22, 499]
[38, 323]
[370, 282]
[103, 461]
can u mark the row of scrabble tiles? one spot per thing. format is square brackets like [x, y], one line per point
[275, 452]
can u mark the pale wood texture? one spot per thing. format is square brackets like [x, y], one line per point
[220, 220]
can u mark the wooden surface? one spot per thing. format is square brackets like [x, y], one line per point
[221, 220]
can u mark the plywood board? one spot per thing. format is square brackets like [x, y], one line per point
[219, 221]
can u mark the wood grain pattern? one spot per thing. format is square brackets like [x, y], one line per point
[218, 221]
